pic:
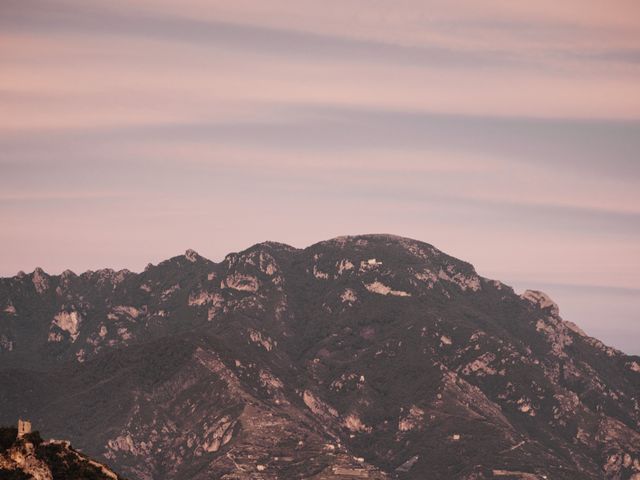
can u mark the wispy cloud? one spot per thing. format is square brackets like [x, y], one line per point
[507, 133]
[23, 198]
[44, 17]
[52, 18]
[608, 147]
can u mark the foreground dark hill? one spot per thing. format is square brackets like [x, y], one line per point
[28, 457]
[359, 357]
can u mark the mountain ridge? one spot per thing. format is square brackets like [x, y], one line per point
[193, 253]
[375, 356]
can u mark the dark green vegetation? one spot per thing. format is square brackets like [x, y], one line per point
[8, 436]
[286, 363]
[14, 475]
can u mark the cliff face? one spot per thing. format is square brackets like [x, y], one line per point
[359, 357]
[31, 458]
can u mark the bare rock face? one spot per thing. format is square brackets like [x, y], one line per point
[40, 280]
[359, 357]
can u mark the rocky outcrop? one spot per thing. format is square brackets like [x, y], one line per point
[29, 457]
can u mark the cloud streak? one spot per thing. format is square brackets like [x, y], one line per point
[46, 17]
[608, 147]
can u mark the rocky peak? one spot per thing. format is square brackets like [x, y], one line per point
[40, 280]
[191, 255]
[367, 237]
[541, 300]
[68, 274]
[274, 246]
[107, 276]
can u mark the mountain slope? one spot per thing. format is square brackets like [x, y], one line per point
[372, 356]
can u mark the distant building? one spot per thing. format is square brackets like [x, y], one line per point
[24, 427]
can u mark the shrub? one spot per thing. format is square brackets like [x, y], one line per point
[13, 475]
[8, 436]
[34, 437]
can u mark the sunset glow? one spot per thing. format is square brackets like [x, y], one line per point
[501, 132]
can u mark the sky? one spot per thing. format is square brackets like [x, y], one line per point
[504, 133]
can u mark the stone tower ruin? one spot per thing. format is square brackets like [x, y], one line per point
[24, 427]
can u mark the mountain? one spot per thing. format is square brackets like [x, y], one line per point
[371, 356]
[29, 457]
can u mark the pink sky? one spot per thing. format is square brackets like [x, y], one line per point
[505, 133]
